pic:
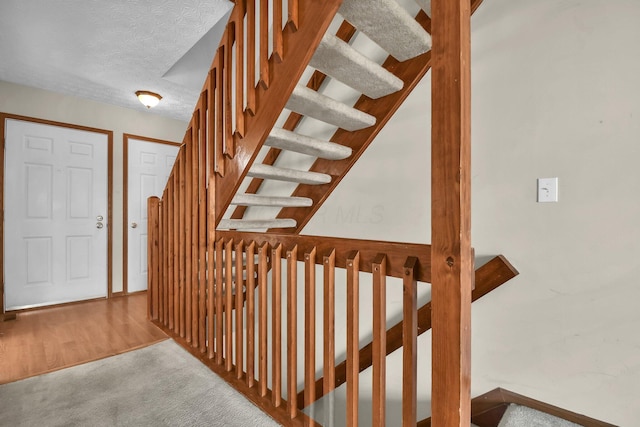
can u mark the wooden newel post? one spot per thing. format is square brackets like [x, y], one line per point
[153, 257]
[451, 256]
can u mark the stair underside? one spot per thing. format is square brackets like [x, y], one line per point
[393, 30]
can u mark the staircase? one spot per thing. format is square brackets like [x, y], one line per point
[297, 91]
[319, 137]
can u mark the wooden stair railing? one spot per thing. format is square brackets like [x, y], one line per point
[194, 279]
[245, 357]
[490, 276]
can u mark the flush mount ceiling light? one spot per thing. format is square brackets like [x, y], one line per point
[148, 99]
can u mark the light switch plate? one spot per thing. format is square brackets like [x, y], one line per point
[547, 190]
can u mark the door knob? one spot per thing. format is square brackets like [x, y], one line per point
[134, 225]
[99, 218]
[99, 225]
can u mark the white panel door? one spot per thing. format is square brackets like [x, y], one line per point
[149, 166]
[55, 240]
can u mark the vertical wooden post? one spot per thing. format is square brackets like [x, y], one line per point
[276, 326]
[292, 331]
[409, 343]
[353, 334]
[379, 345]
[153, 261]
[310, 327]
[329, 358]
[451, 256]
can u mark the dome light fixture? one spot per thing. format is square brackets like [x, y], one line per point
[148, 99]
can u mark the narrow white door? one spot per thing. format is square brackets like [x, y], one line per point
[149, 166]
[56, 184]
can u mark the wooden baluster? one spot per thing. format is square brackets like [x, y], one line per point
[262, 317]
[251, 57]
[410, 344]
[276, 326]
[186, 197]
[194, 219]
[353, 349]
[219, 110]
[175, 280]
[264, 43]
[292, 19]
[229, 144]
[239, 307]
[239, 132]
[310, 327]
[218, 301]
[251, 313]
[153, 261]
[329, 266]
[202, 223]
[292, 331]
[228, 305]
[161, 270]
[181, 240]
[278, 49]
[379, 267]
[166, 281]
[211, 282]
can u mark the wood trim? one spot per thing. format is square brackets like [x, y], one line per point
[125, 200]
[487, 410]
[396, 253]
[109, 260]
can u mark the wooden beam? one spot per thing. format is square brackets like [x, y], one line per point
[451, 254]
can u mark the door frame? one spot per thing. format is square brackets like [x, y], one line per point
[109, 134]
[125, 201]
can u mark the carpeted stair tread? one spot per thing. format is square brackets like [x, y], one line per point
[261, 200]
[339, 60]
[519, 415]
[287, 140]
[259, 170]
[256, 224]
[389, 25]
[310, 103]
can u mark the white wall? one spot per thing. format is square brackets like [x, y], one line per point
[31, 102]
[556, 93]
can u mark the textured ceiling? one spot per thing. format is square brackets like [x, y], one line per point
[105, 50]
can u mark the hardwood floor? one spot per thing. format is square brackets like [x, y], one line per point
[49, 339]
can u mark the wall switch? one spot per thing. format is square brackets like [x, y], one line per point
[547, 190]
